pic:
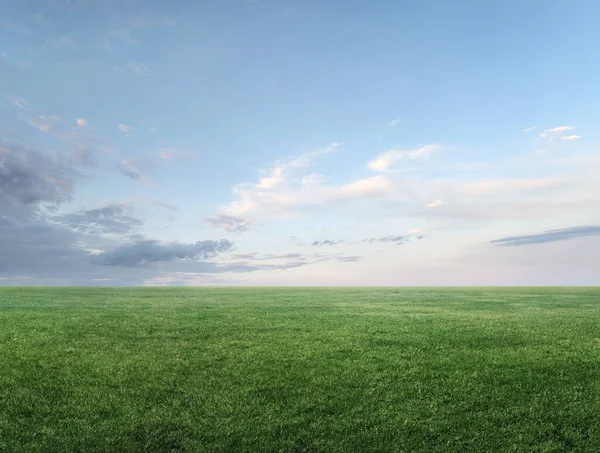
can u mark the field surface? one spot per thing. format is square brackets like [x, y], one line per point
[299, 369]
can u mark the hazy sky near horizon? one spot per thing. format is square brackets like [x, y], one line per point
[294, 142]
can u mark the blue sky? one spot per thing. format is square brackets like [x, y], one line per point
[299, 143]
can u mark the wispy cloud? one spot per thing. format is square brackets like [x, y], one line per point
[385, 160]
[434, 204]
[530, 129]
[558, 133]
[283, 188]
[53, 125]
[326, 242]
[229, 223]
[281, 169]
[549, 236]
[137, 68]
[110, 219]
[82, 146]
[136, 168]
[395, 122]
[125, 128]
[19, 103]
[397, 239]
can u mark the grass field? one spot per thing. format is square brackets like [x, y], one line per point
[299, 369]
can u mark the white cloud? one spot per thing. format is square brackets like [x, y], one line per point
[279, 172]
[434, 204]
[314, 179]
[529, 129]
[81, 122]
[384, 161]
[125, 128]
[283, 192]
[558, 133]
[395, 122]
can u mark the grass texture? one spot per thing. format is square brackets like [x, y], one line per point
[299, 369]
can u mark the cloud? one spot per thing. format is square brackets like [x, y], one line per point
[391, 238]
[50, 124]
[384, 161]
[281, 169]
[325, 242]
[172, 153]
[40, 246]
[30, 180]
[434, 204]
[136, 168]
[549, 236]
[163, 205]
[285, 199]
[282, 188]
[529, 129]
[253, 256]
[81, 145]
[229, 223]
[19, 103]
[348, 259]
[125, 128]
[137, 68]
[151, 251]
[398, 239]
[111, 219]
[394, 122]
[558, 133]
[314, 179]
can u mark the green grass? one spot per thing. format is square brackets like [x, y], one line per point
[299, 369]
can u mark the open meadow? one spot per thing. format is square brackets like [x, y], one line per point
[299, 369]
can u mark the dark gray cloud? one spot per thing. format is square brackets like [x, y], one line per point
[30, 179]
[109, 219]
[229, 223]
[325, 242]
[549, 236]
[149, 251]
[98, 246]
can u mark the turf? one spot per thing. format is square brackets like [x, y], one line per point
[299, 369]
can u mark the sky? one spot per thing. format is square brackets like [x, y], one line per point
[295, 142]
